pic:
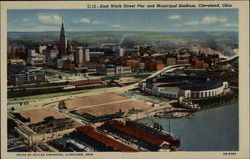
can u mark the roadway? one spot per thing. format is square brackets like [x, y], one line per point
[229, 59]
[166, 69]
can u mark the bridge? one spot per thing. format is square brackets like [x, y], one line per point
[166, 69]
[232, 58]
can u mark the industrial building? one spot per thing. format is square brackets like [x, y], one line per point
[19, 75]
[45, 120]
[100, 141]
[53, 125]
[75, 146]
[27, 78]
[114, 70]
[146, 139]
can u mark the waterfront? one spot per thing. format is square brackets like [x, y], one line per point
[209, 130]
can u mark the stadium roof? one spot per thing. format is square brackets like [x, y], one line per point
[193, 83]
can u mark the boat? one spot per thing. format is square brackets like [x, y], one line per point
[180, 114]
[172, 115]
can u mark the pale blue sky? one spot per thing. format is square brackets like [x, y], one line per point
[124, 19]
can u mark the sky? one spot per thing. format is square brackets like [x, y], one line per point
[123, 20]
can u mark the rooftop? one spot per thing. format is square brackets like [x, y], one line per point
[142, 135]
[38, 115]
[193, 83]
[117, 146]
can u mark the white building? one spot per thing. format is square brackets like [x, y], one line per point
[79, 57]
[41, 48]
[32, 53]
[59, 63]
[38, 60]
[117, 70]
[51, 54]
[120, 52]
[87, 55]
[35, 58]
[69, 57]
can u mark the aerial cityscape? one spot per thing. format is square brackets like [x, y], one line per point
[111, 80]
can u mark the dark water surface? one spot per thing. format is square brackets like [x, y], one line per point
[214, 129]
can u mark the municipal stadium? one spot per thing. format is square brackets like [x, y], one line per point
[187, 86]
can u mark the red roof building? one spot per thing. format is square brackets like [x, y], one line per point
[154, 66]
[140, 134]
[104, 139]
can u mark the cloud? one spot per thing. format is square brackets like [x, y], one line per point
[25, 20]
[116, 26]
[50, 19]
[192, 23]
[174, 17]
[213, 19]
[85, 20]
[230, 25]
[82, 20]
[207, 20]
[96, 22]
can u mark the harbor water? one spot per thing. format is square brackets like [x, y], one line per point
[214, 129]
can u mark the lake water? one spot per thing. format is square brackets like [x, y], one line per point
[214, 129]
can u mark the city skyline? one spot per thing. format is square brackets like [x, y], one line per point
[124, 20]
[118, 91]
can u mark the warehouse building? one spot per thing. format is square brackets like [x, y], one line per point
[100, 141]
[142, 138]
[114, 70]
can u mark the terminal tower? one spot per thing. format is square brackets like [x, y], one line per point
[63, 42]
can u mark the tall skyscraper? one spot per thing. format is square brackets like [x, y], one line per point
[82, 57]
[86, 56]
[79, 57]
[63, 42]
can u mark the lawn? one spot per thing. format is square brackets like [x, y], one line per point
[56, 72]
[171, 89]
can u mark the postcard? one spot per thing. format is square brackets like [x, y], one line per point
[124, 79]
